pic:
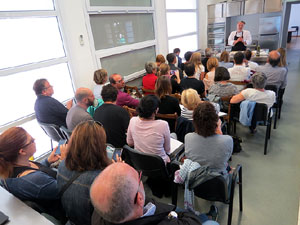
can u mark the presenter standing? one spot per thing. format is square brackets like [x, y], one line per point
[240, 38]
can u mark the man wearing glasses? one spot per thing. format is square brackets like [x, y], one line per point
[123, 98]
[48, 109]
[118, 196]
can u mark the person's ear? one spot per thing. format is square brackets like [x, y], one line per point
[140, 199]
[22, 152]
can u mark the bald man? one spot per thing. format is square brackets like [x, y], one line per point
[84, 98]
[275, 75]
[123, 98]
[119, 198]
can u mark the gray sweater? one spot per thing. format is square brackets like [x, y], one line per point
[213, 151]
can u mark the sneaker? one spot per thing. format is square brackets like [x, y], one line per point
[213, 213]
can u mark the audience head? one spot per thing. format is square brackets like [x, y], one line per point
[86, 149]
[189, 69]
[188, 56]
[238, 58]
[171, 57]
[212, 63]
[240, 25]
[163, 86]
[248, 54]
[274, 58]
[15, 142]
[84, 96]
[164, 69]
[224, 56]
[42, 87]
[221, 74]
[117, 81]
[109, 93]
[196, 58]
[100, 76]
[118, 194]
[176, 51]
[190, 98]
[150, 67]
[259, 80]
[205, 119]
[148, 106]
[208, 52]
[160, 59]
[282, 62]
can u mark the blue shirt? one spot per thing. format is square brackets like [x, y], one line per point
[49, 110]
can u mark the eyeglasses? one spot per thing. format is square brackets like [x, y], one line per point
[119, 81]
[140, 178]
[30, 142]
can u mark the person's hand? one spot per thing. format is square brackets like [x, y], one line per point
[69, 104]
[53, 157]
[177, 76]
[63, 151]
[119, 159]
[218, 129]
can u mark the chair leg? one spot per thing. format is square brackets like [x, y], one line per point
[266, 139]
[270, 125]
[174, 193]
[230, 213]
[275, 119]
[241, 189]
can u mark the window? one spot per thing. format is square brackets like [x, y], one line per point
[31, 48]
[182, 25]
[123, 35]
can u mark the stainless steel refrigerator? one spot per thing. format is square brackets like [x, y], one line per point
[269, 28]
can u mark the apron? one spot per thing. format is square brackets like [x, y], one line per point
[238, 46]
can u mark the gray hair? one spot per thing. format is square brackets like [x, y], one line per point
[259, 80]
[208, 52]
[121, 203]
[150, 66]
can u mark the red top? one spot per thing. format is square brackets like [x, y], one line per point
[149, 81]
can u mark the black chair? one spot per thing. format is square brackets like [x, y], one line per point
[280, 100]
[53, 132]
[296, 29]
[152, 166]
[276, 104]
[183, 127]
[217, 189]
[66, 132]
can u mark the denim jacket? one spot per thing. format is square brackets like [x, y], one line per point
[33, 186]
[76, 199]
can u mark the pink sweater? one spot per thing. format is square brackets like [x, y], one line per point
[150, 136]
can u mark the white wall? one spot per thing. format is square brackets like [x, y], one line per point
[295, 16]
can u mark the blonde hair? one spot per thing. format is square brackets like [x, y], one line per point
[163, 69]
[224, 57]
[190, 99]
[282, 53]
[212, 63]
[196, 59]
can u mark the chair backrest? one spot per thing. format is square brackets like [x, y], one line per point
[148, 91]
[183, 127]
[215, 189]
[66, 132]
[131, 89]
[272, 87]
[52, 131]
[238, 82]
[151, 165]
[168, 117]
[132, 112]
[260, 113]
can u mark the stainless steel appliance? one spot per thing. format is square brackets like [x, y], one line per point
[216, 36]
[269, 28]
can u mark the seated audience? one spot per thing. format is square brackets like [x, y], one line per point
[191, 81]
[212, 64]
[171, 57]
[238, 72]
[48, 109]
[86, 157]
[189, 99]
[176, 51]
[147, 134]
[252, 65]
[175, 79]
[100, 78]
[187, 57]
[168, 104]
[84, 98]
[224, 60]
[118, 196]
[275, 75]
[282, 62]
[199, 68]
[208, 54]
[114, 118]
[207, 145]
[123, 98]
[150, 78]
[25, 179]
[257, 93]
[159, 60]
[222, 87]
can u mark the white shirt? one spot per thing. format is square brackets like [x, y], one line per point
[246, 35]
[251, 65]
[239, 73]
[199, 71]
[267, 97]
